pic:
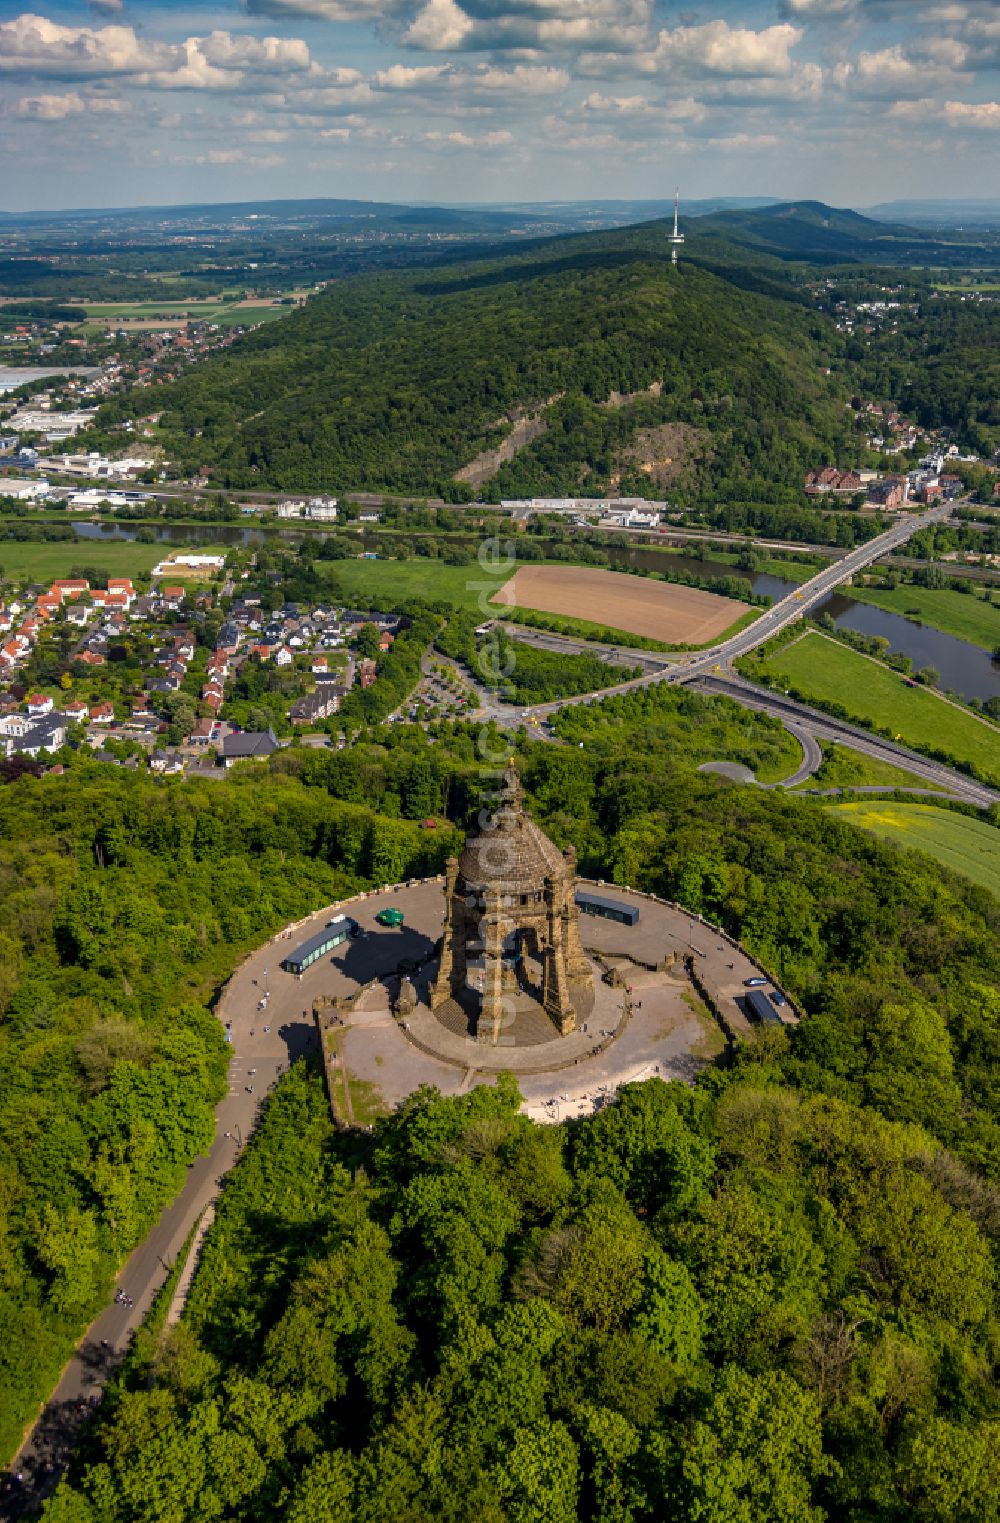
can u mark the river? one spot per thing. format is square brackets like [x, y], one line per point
[965, 669]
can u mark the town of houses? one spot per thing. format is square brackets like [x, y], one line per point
[133, 730]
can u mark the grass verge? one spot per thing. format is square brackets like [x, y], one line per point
[844, 768]
[817, 668]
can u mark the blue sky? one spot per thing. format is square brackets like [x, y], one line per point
[849, 101]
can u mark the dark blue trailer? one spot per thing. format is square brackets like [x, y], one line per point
[608, 909]
[762, 1009]
[333, 934]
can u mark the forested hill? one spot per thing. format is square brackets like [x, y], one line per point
[399, 380]
[820, 234]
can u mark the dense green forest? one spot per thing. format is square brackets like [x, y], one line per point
[767, 1297]
[739, 1302]
[125, 902]
[397, 380]
[942, 365]
[806, 1235]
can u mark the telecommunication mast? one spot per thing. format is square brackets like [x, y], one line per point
[676, 237]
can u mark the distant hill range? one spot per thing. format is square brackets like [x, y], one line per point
[819, 234]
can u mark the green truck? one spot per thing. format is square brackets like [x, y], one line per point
[390, 916]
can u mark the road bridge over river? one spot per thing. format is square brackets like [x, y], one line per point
[711, 672]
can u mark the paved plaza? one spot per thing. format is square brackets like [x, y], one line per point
[660, 1027]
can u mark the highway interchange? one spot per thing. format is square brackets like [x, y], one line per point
[710, 670]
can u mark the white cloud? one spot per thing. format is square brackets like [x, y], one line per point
[950, 113]
[55, 108]
[238, 156]
[34, 45]
[718, 48]
[522, 79]
[260, 54]
[818, 7]
[745, 142]
[327, 10]
[440, 27]
[399, 77]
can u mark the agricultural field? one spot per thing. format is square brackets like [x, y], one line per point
[664, 611]
[966, 845]
[966, 615]
[41, 561]
[819, 668]
[147, 316]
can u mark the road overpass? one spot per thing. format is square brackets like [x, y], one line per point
[709, 671]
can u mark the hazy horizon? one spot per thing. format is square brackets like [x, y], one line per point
[852, 102]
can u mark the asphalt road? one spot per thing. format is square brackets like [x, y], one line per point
[825, 727]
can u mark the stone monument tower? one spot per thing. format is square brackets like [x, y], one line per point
[511, 897]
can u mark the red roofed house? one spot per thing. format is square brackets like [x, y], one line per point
[172, 596]
[76, 709]
[90, 658]
[202, 733]
[68, 591]
[102, 713]
[38, 703]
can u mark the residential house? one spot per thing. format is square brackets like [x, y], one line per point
[102, 713]
[39, 704]
[47, 734]
[254, 745]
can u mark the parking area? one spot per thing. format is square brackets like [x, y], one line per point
[668, 1030]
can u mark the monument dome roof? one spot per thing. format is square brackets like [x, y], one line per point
[512, 853]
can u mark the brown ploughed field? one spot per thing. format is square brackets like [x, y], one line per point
[658, 610]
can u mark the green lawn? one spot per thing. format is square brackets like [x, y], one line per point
[386, 582]
[45, 560]
[964, 615]
[844, 768]
[817, 667]
[966, 845]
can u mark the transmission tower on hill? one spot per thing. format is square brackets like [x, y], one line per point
[676, 237]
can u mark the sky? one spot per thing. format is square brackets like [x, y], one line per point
[853, 102]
